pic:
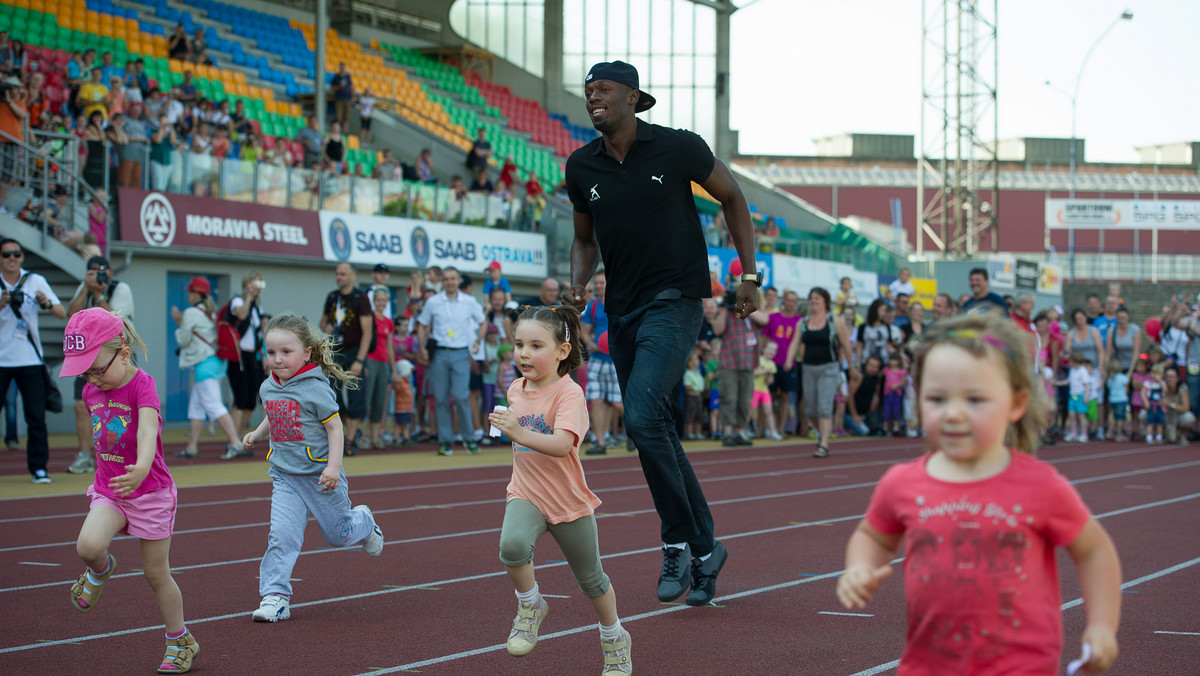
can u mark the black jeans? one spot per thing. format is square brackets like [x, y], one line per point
[649, 348]
[33, 399]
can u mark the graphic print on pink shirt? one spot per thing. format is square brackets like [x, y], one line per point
[284, 415]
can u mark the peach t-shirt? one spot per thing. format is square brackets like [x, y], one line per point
[556, 486]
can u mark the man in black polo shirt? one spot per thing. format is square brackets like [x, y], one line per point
[349, 319]
[632, 194]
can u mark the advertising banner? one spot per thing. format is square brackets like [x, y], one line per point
[171, 220]
[802, 274]
[408, 243]
[1002, 271]
[924, 291]
[1027, 275]
[1050, 279]
[1094, 214]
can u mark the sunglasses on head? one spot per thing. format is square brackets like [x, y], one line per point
[12, 254]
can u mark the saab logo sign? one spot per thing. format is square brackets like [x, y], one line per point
[157, 219]
[339, 239]
[419, 244]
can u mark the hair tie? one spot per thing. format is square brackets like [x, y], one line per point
[971, 334]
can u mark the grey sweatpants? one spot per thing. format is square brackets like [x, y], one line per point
[293, 496]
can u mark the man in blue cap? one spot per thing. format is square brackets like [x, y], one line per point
[632, 195]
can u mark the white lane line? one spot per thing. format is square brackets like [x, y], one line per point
[37, 563]
[1180, 633]
[830, 612]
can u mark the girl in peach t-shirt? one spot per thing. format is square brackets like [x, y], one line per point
[546, 420]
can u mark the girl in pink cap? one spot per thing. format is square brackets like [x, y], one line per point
[133, 492]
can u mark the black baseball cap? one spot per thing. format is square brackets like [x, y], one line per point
[382, 267]
[619, 71]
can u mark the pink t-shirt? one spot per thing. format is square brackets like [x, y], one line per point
[1135, 389]
[556, 486]
[780, 329]
[979, 568]
[114, 434]
[894, 379]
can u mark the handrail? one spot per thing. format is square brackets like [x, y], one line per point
[76, 181]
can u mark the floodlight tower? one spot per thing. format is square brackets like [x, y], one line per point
[959, 66]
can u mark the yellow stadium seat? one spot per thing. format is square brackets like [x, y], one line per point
[352, 142]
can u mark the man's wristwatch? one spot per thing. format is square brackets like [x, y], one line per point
[755, 277]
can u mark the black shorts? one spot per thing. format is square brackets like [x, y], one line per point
[364, 123]
[786, 381]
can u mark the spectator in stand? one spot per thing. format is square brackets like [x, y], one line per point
[1022, 312]
[1175, 339]
[1107, 317]
[534, 204]
[1177, 402]
[1092, 306]
[95, 168]
[119, 138]
[603, 391]
[8, 62]
[874, 335]
[21, 354]
[239, 122]
[547, 293]
[366, 109]
[1124, 340]
[785, 388]
[457, 187]
[187, 91]
[508, 174]
[252, 150]
[247, 373]
[116, 96]
[35, 100]
[163, 145]
[1084, 341]
[130, 158]
[900, 307]
[943, 307]
[221, 147]
[108, 69]
[310, 137]
[380, 365]
[846, 297]
[136, 81]
[101, 289]
[980, 296]
[154, 105]
[176, 113]
[863, 410]
[820, 343]
[12, 116]
[902, 284]
[333, 149]
[220, 116]
[93, 96]
[343, 95]
[481, 150]
[388, 168]
[425, 167]
[495, 280]
[77, 76]
[178, 47]
[197, 46]
[481, 183]
[916, 323]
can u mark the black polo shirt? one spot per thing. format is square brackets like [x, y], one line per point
[644, 214]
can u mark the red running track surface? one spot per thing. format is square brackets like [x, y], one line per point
[438, 602]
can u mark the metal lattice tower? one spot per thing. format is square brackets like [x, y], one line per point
[959, 66]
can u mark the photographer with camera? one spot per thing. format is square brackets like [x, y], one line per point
[98, 289]
[247, 373]
[24, 295]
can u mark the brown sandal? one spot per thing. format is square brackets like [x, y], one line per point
[180, 653]
[821, 452]
[85, 593]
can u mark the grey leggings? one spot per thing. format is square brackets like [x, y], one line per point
[820, 384]
[524, 524]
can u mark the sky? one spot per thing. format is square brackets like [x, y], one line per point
[818, 68]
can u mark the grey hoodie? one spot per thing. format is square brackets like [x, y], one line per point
[298, 410]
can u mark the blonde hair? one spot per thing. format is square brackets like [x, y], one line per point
[989, 333]
[321, 344]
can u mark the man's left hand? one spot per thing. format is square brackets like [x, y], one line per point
[575, 295]
[747, 300]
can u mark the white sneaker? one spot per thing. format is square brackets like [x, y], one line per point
[272, 609]
[40, 477]
[84, 462]
[373, 545]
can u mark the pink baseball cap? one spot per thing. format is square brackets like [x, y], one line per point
[86, 332]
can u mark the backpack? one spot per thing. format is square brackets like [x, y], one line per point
[229, 347]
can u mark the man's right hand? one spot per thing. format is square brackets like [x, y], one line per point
[575, 295]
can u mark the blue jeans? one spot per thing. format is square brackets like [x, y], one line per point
[649, 347]
[450, 376]
[853, 427]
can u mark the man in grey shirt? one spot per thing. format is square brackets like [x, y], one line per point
[311, 138]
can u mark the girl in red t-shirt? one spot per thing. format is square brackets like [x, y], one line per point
[546, 420]
[980, 520]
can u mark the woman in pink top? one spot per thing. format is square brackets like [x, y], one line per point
[133, 492]
[546, 420]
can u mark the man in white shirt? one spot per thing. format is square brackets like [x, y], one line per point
[902, 285]
[24, 295]
[457, 326]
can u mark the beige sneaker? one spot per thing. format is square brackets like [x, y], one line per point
[180, 653]
[85, 593]
[618, 655]
[524, 634]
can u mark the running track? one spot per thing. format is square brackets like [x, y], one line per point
[438, 602]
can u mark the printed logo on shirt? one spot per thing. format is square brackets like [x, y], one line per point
[595, 195]
[284, 415]
[657, 178]
[535, 422]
